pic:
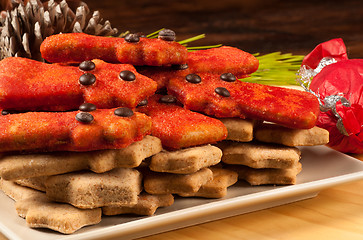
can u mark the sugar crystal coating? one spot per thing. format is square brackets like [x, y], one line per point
[28, 85]
[79, 47]
[179, 128]
[59, 131]
[288, 107]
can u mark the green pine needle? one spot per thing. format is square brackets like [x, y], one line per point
[276, 69]
[195, 38]
[154, 34]
[123, 34]
[192, 39]
[190, 49]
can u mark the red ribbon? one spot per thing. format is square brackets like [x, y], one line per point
[342, 78]
[334, 48]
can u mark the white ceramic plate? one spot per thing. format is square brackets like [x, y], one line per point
[322, 168]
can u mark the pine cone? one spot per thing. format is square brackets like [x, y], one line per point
[25, 26]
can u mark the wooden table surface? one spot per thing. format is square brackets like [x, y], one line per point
[261, 26]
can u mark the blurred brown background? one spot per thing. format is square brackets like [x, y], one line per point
[255, 26]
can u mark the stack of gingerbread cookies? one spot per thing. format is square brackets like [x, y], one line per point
[121, 125]
[266, 153]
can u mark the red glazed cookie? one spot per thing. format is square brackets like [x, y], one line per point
[78, 47]
[215, 60]
[224, 96]
[222, 60]
[177, 127]
[34, 86]
[162, 75]
[72, 131]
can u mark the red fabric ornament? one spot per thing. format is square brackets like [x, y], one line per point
[334, 48]
[343, 79]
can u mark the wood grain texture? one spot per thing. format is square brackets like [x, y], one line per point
[336, 213]
[255, 26]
